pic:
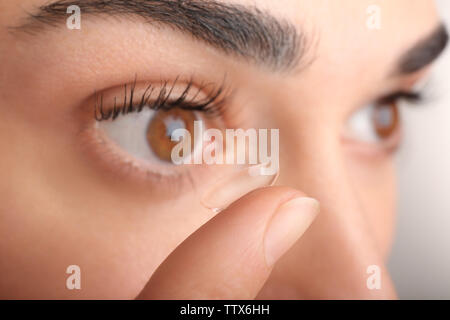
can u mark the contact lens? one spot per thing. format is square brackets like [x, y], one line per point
[235, 185]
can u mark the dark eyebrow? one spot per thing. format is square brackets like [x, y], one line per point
[233, 28]
[424, 52]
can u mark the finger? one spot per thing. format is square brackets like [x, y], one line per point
[232, 255]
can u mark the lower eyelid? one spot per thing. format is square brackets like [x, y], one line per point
[110, 161]
[372, 150]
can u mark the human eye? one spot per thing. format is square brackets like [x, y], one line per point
[132, 126]
[378, 125]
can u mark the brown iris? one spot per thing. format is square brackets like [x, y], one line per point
[161, 127]
[386, 120]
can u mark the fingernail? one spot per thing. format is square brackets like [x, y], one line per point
[288, 224]
[229, 189]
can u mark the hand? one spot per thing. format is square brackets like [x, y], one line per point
[232, 255]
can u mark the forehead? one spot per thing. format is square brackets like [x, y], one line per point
[341, 31]
[349, 17]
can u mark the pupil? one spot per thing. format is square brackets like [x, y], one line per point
[173, 124]
[384, 116]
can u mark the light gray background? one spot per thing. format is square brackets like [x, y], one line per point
[420, 260]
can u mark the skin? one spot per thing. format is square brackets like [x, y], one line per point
[63, 203]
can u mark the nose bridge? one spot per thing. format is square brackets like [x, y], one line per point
[332, 259]
[320, 170]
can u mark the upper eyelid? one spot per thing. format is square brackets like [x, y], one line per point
[210, 103]
[415, 91]
[413, 96]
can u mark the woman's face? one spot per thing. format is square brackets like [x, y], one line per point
[71, 195]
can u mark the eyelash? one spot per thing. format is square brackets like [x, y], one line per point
[211, 105]
[416, 98]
